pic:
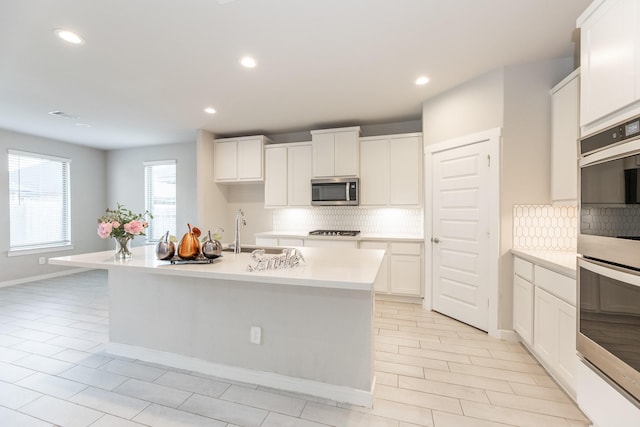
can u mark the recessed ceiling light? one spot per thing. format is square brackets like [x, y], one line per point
[69, 36]
[422, 80]
[248, 62]
[210, 110]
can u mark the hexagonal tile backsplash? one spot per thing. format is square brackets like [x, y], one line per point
[545, 227]
[378, 221]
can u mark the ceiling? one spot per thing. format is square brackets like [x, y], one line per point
[148, 68]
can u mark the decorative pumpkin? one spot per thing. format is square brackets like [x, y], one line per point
[189, 246]
[165, 249]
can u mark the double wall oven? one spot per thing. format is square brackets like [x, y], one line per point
[608, 335]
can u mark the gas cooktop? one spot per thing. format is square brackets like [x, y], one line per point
[349, 233]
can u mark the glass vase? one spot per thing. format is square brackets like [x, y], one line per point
[123, 248]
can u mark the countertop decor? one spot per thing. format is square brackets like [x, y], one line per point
[123, 225]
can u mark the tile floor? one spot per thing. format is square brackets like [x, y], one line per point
[431, 371]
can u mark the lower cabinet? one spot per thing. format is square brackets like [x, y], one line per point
[328, 243]
[544, 316]
[523, 309]
[401, 272]
[282, 241]
[382, 282]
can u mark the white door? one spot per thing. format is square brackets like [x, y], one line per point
[460, 233]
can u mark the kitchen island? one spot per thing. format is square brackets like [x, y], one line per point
[306, 329]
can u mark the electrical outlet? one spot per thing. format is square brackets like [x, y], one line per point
[41, 260]
[256, 335]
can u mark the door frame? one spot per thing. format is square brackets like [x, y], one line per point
[493, 138]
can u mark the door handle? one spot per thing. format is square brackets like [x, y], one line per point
[435, 240]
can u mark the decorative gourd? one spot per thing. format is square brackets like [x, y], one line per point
[189, 247]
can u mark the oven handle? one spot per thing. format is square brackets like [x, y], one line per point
[609, 270]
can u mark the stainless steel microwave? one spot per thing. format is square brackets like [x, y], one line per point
[335, 191]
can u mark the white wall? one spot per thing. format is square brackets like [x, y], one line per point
[125, 180]
[88, 200]
[474, 106]
[516, 99]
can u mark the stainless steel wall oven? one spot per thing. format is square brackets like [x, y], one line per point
[608, 326]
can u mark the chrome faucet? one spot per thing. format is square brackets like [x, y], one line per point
[239, 217]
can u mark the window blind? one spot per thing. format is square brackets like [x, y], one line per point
[39, 201]
[160, 197]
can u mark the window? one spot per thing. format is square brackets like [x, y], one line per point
[160, 197]
[38, 201]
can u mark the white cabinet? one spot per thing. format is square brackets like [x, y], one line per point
[287, 175]
[609, 58]
[286, 242]
[565, 131]
[544, 316]
[299, 175]
[523, 309]
[382, 281]
[555, 337]
[336, 152]
[401, 272]
[391, 170]
[326, 243]
[275, 179]
[239, 159]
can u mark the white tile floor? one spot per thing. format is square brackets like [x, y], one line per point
[431, 371]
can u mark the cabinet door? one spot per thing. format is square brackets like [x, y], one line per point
[346, 153]
[225, 161]
[523, 309]
[405, 177]
[323, 154]
[564, 141]
[566, 358]
[545, 325]
[275, 180]
[382, 281]
[250, 160]
[608, 60]
[299, 180]
[374, 173]
[405, 275]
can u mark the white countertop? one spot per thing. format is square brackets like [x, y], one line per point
[563, 262]
[338, 268]
[359, 237]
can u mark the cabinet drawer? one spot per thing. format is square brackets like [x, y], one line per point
[556, 284]
[405, 249]
[523, 268]
[291, 242]
[373, 245]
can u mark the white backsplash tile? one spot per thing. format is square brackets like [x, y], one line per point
[379, 221]
[545, 227]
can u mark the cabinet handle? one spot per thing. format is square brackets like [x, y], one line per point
[435, 240]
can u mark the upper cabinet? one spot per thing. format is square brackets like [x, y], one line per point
[391, 170]
[336, 152]
[609, 62]
[564, 138]
[239, 159]
[287, 175]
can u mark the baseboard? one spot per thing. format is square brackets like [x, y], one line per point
[337, 393]
[42, 277]
[508, 335]
[400, 298]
